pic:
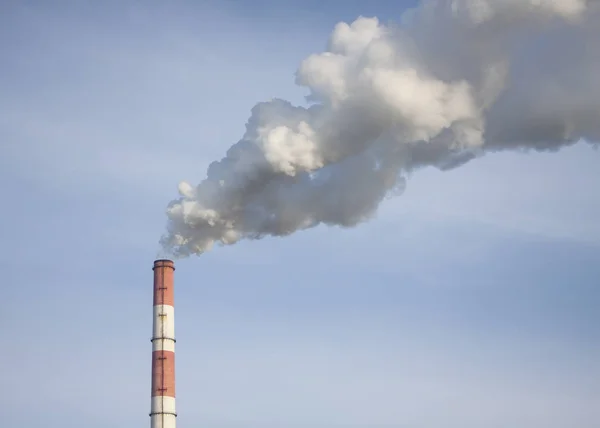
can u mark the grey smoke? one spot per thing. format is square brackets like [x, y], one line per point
[453, 80]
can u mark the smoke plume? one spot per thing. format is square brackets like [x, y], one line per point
[451, 81]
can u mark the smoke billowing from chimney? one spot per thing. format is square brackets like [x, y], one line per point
[453, 80]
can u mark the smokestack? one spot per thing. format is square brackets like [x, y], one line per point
[163, 414]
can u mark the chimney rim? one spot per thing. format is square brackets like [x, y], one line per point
[164, 263]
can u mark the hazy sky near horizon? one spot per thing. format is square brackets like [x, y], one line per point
[470, 301]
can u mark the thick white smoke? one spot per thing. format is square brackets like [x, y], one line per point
[453, 80]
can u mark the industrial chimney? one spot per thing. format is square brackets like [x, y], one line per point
[162, 414]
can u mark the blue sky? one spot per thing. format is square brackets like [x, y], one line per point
[469, 301]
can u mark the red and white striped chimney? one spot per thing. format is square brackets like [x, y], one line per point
[162, 413]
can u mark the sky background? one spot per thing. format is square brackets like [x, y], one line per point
[470, 301]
